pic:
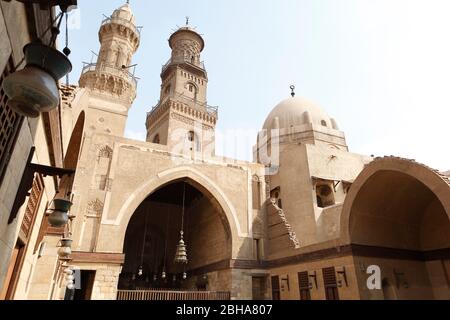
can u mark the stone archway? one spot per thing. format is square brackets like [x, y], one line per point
[153, 233]
[397, 216]
[120, 222]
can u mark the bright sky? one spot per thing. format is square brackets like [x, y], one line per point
[380, 68]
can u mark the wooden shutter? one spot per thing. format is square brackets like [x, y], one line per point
[303, 284]
[32, 207]
[10, 123]
[275, 288]
[330, 283]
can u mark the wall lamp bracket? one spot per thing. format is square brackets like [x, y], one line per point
[27, 181]
[342, 274]
[314, 280]
[286, 280]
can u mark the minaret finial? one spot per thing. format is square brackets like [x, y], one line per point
[187, 20]
[128, 1]
[292, 90]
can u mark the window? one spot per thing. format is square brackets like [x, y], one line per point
[256, 189]
[324, 195]
[10, 123]
[26, 227]
[191, 88]
[324, 123]
[167, 89]
[275, 287]
[156, 139]
[303, 284]
[191, 136]
[193, 140]
[330, 283]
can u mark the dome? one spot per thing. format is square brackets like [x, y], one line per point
[297, 111]
[188, 29]
[125, 13]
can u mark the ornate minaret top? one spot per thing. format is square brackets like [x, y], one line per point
[183, 103]
[111, 74]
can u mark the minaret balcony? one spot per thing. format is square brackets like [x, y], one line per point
[110, 70]
[185, 105]
[123, 22]
[198, 66]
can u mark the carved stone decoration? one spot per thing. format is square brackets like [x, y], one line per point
[188, 121]
[94, 208]
[105, 152]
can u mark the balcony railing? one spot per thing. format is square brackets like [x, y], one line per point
[124, 22]
[200, 65]
[211, 110]
[111, 69]
[171, 295]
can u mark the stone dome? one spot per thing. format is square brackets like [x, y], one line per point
[297, 111]
[125, 13]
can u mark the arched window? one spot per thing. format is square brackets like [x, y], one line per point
[156, 139]
[167, 90]
[193, 140]
[192, 59]
[324, 195]
[191, 88]
[324, 123]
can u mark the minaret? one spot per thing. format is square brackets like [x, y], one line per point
[111, 81]
[182, 119]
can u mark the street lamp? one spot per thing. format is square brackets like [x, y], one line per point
[34, 89]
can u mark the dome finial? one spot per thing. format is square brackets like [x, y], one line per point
[187, 20]
[292, 90]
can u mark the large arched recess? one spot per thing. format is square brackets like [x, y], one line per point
[153, 233]
[399, 203]
[200, 181]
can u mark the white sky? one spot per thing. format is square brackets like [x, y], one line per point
[380, 68]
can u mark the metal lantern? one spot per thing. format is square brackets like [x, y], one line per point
[65, 250]
[140, 271]
[69, 278]
[181, 255]
[59, 214]
[34, 89]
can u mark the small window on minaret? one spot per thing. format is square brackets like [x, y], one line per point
[191, 136]
[167, 90]
[192, 59]
[156, 139]
[191, 88]
[324, 123]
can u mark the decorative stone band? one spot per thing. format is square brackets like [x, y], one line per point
[329, 253]
[97, 257]
[208, 119]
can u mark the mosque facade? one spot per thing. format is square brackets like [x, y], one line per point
[306, 219]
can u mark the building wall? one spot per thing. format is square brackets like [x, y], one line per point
[292, 292]
[14, 34]
[409, 279]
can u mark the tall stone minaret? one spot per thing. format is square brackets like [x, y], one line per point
[182, 120]
[111, 81]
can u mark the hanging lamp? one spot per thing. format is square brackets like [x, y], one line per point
[141, 266]
[181, 253]
[34, 89]
[163, 274]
